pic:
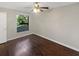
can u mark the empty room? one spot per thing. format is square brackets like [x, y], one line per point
[39, 29]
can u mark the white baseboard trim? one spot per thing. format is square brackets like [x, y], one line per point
[59, 42]
[19, 36]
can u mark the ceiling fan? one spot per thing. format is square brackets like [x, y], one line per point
[37, 8]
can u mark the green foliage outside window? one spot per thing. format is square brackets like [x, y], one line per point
[22, 23]
[22, 20]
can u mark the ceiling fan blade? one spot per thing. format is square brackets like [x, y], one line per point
[44, 7]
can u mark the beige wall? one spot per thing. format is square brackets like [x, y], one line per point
[11, 24]
[12, 32]
[60, 24]
[3, 27]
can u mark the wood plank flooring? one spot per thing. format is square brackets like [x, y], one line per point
[33, 45]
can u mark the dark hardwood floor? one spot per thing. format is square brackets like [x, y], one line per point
[33, 45]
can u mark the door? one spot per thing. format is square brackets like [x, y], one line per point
[3, 27]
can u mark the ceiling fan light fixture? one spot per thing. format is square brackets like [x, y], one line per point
[36, 5]
[36, 10]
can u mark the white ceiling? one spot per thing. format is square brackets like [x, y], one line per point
[27, 6]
